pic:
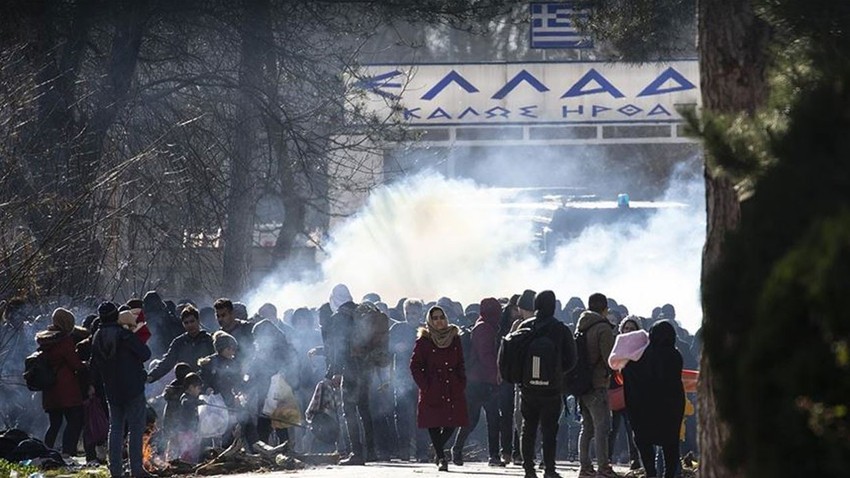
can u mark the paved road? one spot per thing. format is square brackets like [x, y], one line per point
[418, 470]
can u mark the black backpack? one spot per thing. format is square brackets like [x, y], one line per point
[579, 380]
[511, 352]
[543, 368]
[38, 374]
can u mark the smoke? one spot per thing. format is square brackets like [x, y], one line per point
[429, 236]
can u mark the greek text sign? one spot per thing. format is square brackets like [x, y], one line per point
[585, 92]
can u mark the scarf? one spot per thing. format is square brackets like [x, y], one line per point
[442, 338]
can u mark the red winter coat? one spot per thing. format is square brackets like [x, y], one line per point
[441, 379]
[66, 392]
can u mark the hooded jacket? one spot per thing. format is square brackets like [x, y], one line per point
[118, 360]
[337, 339]
[600, 342]
[485, 334]
[441, 377]
[66, 392]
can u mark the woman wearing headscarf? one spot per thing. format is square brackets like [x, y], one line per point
[64, 400]
[655, 399]
[620, 417]
[438, 370]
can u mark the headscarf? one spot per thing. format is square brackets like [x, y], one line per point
[629, 318]
[441, 338]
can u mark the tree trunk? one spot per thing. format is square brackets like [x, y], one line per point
[733, 61]
[63, 156]
[242, 201]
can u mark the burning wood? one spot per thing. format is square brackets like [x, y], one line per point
[235, 460]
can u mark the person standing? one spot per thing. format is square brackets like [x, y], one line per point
[195, 343]
[64, 400]
[438, 370]
[118, 360]
[353, 373]
[540, 396]
[656, 399]
[483, 382]
[595, 411]
[402, 339]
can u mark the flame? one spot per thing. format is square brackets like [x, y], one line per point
[147, 449]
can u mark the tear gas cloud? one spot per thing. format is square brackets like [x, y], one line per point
[429, 236]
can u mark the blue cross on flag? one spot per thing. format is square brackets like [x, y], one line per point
[553, 26]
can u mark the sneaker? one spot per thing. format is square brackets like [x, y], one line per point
[353, 460]
[495, 461]
[442, 465]
[587, 473]
[530, 474]
[607, 472]
[506, 458]
[552, 474]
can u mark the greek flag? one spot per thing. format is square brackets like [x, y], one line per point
[553, 26]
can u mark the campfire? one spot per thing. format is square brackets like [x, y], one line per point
[234, 459]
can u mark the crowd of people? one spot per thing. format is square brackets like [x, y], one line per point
[370, 381]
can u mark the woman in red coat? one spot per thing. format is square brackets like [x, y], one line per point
[437, 368]
[65, 399]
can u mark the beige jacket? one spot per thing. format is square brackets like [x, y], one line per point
[600, 341]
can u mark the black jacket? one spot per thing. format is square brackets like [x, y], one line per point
[185, 349]
[118, 361]
[561, 334]
[337, 339]
[653, 388]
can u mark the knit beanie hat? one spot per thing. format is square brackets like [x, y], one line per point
[526, 300]
[63, 319]
[544, 304]
[181, 370]
[107, 312]
[223, 340]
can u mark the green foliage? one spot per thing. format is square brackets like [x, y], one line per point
[644, 30]
[778, 341]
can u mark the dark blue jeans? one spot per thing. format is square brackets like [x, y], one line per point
[132, 416]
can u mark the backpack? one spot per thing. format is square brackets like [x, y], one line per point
[543, 368]
[579, 380]
[511, 354]
[370, 335]
[38, 374]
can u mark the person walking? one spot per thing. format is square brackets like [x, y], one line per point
[438, 370]
[540, 395]
[483, 382]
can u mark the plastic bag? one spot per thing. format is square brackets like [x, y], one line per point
[281, 405]
[213, 416]
[96, 424]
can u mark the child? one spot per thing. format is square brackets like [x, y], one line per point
[188, 443]
[172, 395]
